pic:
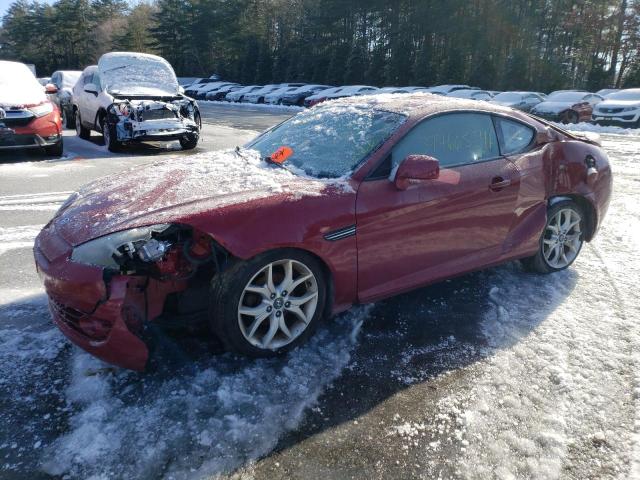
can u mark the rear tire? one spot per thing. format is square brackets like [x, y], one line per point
[269, 304]
[561, 239]
[55, 150]
[570, 116]
[82, 132]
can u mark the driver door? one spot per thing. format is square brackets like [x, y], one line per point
[436, 228]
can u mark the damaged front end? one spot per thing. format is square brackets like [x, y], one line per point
[111, 295]
[154, 119]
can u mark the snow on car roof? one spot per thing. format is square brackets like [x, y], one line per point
[137, 74]
[18, 86]
[418, 104]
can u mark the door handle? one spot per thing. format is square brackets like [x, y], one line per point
[498, 183]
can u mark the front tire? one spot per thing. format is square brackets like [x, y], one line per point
[561, 240]
[268, 305]
[55, 150]
[189, 141]
[110, 137]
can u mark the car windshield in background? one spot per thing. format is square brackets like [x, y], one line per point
[508, 97]
[625, 95]
[330, 141]
[566, 97]
[69, 79]
[137, 75]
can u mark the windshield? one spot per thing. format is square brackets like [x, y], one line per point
[18, 86]
[508, 97]
[69, 79]
[625, 95]
[566, 97]
[330, 141]
[137, 74]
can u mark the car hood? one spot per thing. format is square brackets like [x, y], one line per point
[552, 107]
[619, 104]
[175, 190]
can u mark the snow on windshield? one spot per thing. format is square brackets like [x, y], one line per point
[329, 141]
[508, 97]
[69, 79]
[137, 74]
[18, 86]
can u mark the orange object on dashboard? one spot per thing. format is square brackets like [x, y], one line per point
[281, 154]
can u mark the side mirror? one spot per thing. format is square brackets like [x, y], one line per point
[416, 168]
[50, 88]
[91, 88]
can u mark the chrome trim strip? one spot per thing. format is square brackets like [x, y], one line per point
[341, 233]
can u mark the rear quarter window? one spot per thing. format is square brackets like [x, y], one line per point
[515, 137]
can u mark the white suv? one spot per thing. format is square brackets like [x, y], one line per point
[134, 97]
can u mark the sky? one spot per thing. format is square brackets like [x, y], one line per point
[4, 5]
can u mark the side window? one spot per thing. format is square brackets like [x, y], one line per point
[454, 139]
[56, 80]
[515, 136]
[86, 78]
[96, 80]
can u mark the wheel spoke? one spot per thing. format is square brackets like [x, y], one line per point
[256, 323]
[288, 276]
[298, 301]
[297, 311]
[283, 327]
[262, 291]
[270, 285]
[273, 329]
[253, 311]
[299, 280]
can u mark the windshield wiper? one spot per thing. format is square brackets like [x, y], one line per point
[116, 68]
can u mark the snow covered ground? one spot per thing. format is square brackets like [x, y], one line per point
[500, 374]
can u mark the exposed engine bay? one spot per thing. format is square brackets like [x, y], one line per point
[153, 118]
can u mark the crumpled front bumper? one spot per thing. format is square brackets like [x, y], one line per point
[94, 315]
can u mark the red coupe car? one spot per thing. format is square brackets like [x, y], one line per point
[348, 202]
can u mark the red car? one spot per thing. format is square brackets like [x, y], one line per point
[27, 118]
[348, 202]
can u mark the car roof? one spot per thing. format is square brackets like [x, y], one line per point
[420, 104]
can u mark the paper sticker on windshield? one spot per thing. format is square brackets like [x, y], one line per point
[281, 155]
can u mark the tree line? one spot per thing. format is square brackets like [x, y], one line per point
[499, 44]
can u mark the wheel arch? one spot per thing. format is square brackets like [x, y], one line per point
[585, 205]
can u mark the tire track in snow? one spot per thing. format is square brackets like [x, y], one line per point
[33, 201]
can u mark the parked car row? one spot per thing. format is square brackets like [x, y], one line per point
[566, 106]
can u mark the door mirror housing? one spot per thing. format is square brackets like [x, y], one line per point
[416, 168]
[91, 88]
[50, 88]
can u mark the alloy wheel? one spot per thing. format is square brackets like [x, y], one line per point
[277, 304]
[562, 238]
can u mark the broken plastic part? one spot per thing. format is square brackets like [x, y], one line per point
[281, 154]
[153, 250]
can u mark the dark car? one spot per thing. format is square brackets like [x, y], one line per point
[296, 97]
[567, 106]
[524, 101]
[64, 81]
[345, 203]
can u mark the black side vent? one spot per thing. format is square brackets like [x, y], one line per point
[341, 233]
